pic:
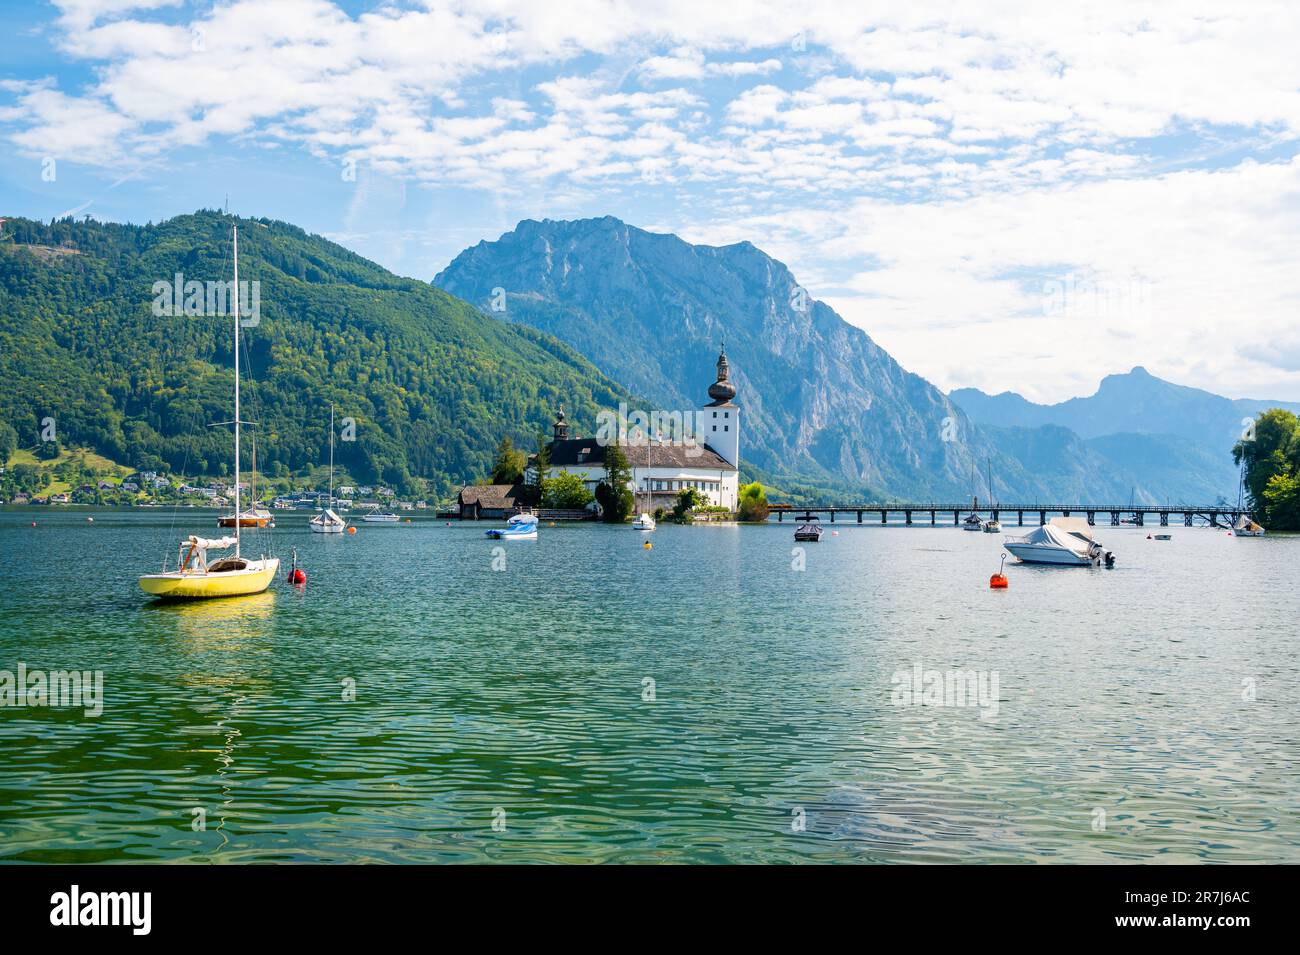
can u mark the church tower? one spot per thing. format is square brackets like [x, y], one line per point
[560, 429]
[721, 416]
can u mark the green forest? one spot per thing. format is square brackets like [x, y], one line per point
[1270, 457]
[432, 384]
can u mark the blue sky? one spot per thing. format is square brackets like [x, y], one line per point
[1002, 197]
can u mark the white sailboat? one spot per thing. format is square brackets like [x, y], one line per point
[1244, 527]
[644, 521]
[992, 525]
[328, 522]
[231, 576]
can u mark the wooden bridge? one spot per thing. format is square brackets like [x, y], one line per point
[1215, 515]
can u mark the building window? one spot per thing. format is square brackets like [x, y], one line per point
[726, 427]
[726, 414]
[715, 414]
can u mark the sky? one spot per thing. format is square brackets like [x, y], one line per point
[1004, 196]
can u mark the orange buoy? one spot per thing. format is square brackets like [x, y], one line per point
[648, 546]
[352, 530]
[297, 577]
[999, 581]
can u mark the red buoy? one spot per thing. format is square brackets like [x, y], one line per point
[999, 581]
[297, 576]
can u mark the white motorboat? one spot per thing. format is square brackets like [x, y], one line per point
[381, 518]
[644, 523]
[993, 526]
[1067, 541]
[519, 528]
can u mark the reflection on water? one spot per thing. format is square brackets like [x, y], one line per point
[701, 701]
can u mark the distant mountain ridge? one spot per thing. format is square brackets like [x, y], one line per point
[820, 399]
[824, 402]
[1171, 437]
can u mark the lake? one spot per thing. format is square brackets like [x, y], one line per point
[434, 696]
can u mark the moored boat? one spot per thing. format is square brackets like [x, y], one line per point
[381, 518]
[231, 576]
[519, 527]
[328, 521]
[1065, 541]
[253, 517]
[1245, 527]
[644, 523]
[809, 531]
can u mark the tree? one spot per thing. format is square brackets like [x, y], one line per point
[48, 450]
[1270, 460]
[510, 464]
[566, 491]
[687, 500]
[616, 499]
[8, 442]
[542, 472]
[753, 502]
[1282, 503]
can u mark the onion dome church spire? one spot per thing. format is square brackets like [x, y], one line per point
[561, 427]
[722, 390]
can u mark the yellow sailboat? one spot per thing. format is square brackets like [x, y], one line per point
[230, 576]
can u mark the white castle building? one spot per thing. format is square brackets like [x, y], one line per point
[662, 467]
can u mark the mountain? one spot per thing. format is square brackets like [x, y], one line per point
[822, 402]
[1174, 439]
[432, 383]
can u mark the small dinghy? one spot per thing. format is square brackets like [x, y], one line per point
[520, 527]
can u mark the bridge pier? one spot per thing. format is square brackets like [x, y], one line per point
[884, 516]
[956, 518]
[994, 514]
[1020, 518]
[932, 518]
[859, 517]
[1042, 518]
[1139, 518]
[1164, 518]
[1187, 518]
[832, 515]
[780, 516]
[1092, 518]
[908, 515]
[1114, 518]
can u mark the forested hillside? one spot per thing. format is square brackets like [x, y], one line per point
[432, 383]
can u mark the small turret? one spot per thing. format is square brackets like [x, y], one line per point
[561, 428]
[722, 391]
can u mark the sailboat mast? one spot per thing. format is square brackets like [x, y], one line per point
[331, 457]
[234, 235]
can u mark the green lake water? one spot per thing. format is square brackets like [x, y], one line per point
[1144, 714]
